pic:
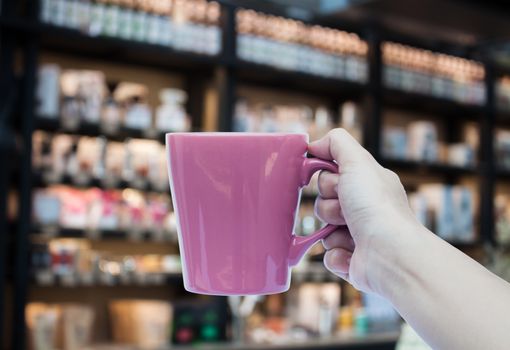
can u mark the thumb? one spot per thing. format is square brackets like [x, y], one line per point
[340, 146]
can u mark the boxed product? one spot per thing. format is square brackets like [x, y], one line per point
[103, 210]
[449, 211]
[41, 152]
[74, 208]
[83, 92]
[62, 152]
[419, 206]
[502, 215]
[114, 161]
[171, 114]
[158, 172]
[440, 200]
[502, 146]
[423, 141]
[76, 324]
[88, 159]
[380, 313]
[47, 92]
[46, 207]
[144, 323]
[461, 154]
[395, 142]
[59, 326]
[143, 155]
[351, 120]
[314, 306]
[463, 214]
[320, 124]
[133, 98]
[42, 323]
[111, 113]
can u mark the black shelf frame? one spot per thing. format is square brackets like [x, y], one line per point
[25, 33]
[424, 168]
[53, 125]
[83, 233]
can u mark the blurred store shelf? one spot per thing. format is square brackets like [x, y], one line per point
[94, 130]
[437, 106]
[111, 281]
[51, 231]
[503, 173]
[503, 118]
[383, 340]
[287, 80]
[314, 272]
[427, 168]
[121, 50]
[38, 181]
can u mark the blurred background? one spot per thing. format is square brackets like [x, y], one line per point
[88, 250]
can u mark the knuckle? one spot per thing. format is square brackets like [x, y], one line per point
[392, 176]
[337, 132]
[325, 182]
[318, 207]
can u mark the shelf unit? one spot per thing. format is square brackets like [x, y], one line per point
[428, 168]
[84, 129]
[24, 33]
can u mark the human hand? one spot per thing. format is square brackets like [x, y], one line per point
[370, 204]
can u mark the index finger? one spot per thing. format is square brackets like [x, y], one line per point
[338, 145]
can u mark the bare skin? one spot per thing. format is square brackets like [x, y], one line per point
[449, 299]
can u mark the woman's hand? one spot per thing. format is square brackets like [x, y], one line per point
[369, 201]
[449, 299]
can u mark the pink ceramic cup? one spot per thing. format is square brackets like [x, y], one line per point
[235, 196]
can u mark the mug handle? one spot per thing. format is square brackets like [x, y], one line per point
[301, 244]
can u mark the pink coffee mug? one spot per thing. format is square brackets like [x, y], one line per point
[236, 196]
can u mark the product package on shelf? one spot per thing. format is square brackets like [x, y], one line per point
[262, 117]
[380, 313]
[82, 94]
[502, 148]
[395, 141]
[133, 97]
[59, 326]
[351, 119]
[145, 324]
[419, 142]
[502, 218]
[423, 141]
[84, 99]
[314, 306]
[171, 114]
[503, 94]
[85, 161]
[187, 25]
[94, 210]
[429, 73]
[47, 93]
[461, 154]
[447, 210]
[72, 261]
[292, 45]
[114, 161]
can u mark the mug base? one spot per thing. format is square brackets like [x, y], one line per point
[268, 291]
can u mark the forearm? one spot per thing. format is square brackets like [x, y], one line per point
[448, 298]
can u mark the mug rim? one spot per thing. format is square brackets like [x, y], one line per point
[234, 133]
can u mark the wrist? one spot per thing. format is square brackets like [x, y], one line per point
[395, 257]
